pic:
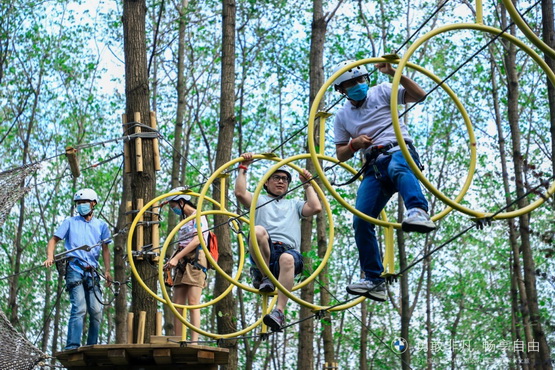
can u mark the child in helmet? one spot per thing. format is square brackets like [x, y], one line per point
[188, 260]
[364, 124]
[278, 231]
[82, 281]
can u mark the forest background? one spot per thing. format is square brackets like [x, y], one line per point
[229, 77]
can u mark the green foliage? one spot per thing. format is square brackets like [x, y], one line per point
[62, 82]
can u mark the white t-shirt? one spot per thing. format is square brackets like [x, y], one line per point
[372, 118]
[281, 219]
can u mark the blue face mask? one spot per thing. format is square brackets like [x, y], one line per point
[177, 211]
[84, 209]
[358, 92]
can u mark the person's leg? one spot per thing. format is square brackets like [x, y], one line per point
[193, 298]
[179, 297]
[371, 199]
[286, 278]
[417, 218]
[276, 319]
[262, 238]
[406, 182]
[94, 307]
[76, 292]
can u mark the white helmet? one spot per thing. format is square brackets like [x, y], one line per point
[175, 198]
[86, 194]
[352, 73]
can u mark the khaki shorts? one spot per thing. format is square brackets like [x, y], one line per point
[192, 275]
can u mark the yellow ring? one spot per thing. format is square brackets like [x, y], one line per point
[398, 134]
[314, 155]
[325, 259]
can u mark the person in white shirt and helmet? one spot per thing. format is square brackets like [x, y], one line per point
[189, 260]
[364, 124]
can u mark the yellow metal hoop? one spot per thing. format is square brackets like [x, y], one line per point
[397, 127]
[314, 154]
[325, 259]
[523, 26]
[166, 299]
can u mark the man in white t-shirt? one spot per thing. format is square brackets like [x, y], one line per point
[278, 231]
[364, 123]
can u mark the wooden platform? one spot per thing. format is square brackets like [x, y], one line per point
[163, 353]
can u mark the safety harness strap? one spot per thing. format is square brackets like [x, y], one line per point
[370, 159]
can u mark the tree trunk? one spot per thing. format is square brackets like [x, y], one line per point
[306, 341]
[120, 302]
[549, 38]
[177, 140]
[521, 308]
[226, 307]
[404, 286]
[13, 306]
[543, 357]
[363, 358]
[429, 323]
[143, 183]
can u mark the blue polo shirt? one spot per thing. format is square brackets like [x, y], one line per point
[76, 232]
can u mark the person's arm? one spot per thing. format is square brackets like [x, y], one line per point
[107, 263]
[243, 196]
[344, 152]
[51, 247]
[182, 253]
[413, 91]
[312, 205]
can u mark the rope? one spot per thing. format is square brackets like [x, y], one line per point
[480, 223]
[58, 296]
[467, 61]
[422, 26]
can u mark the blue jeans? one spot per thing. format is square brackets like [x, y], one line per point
[373, 194]
[82, 288]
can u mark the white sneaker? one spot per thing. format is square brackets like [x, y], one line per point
[417, 220]
[367, 288]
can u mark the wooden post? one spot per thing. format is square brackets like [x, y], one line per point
[158, 323]
[184, 327]
[130, 316]
[71, 154]
[141, 328]
[126, 159]
[155, 229]
[139, 229]
[138, 144]
[155, 147]
[128, 208]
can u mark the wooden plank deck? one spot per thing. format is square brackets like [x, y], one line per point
[163, 353]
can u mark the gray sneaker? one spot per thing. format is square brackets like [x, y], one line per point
[274, 320]
[417, 220]
[369, 289]
[256, 277]
[266, 286]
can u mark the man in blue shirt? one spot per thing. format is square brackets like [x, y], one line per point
[82, 282]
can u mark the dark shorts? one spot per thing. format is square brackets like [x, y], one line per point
[276, 250]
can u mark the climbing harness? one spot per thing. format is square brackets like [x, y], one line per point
[371, 157]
